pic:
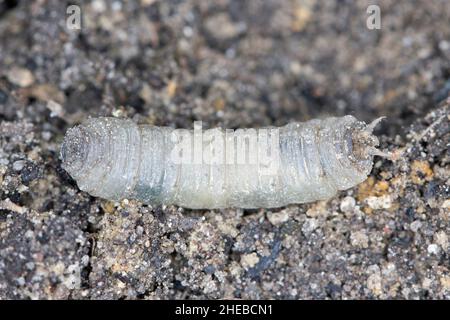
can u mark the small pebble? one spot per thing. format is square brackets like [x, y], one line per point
[20, 281]
[20, 76]
[359, 239]
[348, 204]
[446, 204]
[383, 202]
[278, 218]
[46, 135]
[30, 265]
[442, 239]
[85, 260]
[309, 226]
[222, 28]
[139, 230]
[55, 108]
[433, 249]
[19, 165]
[249, 260]
[415, 225]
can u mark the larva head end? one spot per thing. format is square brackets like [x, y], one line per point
[74, 149]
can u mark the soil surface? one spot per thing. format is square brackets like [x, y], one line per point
[233, 64]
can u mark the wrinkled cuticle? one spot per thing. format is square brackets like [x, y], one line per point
[75, 149]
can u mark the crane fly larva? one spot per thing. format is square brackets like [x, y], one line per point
[248, 168]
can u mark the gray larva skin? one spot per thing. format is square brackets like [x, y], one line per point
[117, 159]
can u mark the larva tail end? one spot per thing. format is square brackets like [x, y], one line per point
[371, 126]
[377, 152]
[74, 149]
[365, 142]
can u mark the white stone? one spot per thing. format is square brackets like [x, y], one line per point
[415, 225]
[348, 204]
[383, 202]
[18, 165]
[433, 249]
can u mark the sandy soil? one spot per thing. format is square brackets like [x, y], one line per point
[233, 64]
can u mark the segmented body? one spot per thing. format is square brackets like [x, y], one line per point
[116, 159]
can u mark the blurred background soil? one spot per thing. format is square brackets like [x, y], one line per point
[229, 63]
